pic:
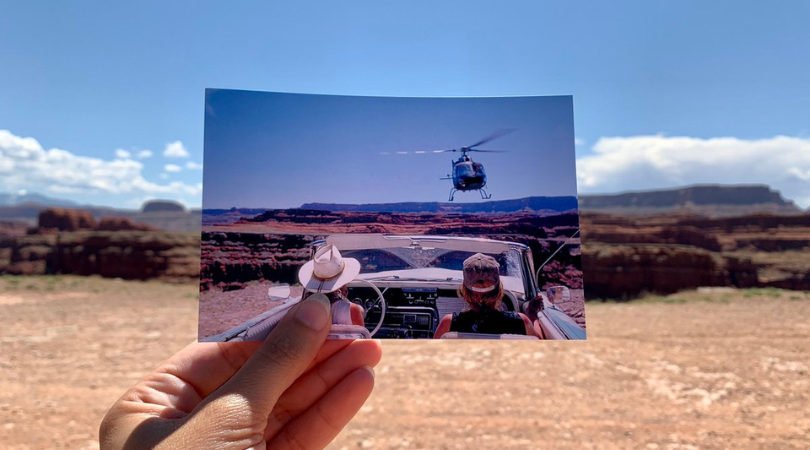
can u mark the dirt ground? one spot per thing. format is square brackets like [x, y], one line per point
[712, 368]
[220, 311]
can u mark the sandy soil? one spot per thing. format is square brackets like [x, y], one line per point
[221, 311]
[705, 369]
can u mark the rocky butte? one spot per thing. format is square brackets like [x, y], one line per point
[70, 241]
[665, 241]
[704, 200]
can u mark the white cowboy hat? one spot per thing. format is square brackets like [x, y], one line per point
[328, 271]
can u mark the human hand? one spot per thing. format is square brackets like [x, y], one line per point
[292, 391]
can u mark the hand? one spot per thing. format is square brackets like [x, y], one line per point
[293, 391]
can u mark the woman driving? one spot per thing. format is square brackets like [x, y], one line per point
[482, 291]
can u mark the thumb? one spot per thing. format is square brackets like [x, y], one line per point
[282, 358]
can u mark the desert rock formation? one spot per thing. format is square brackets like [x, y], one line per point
[623, 255]
[122, 224]
[132, 255]
[273, 245]
[706, 200]
[71, 242]
[163, 206]
[54, 220]
[626, 256]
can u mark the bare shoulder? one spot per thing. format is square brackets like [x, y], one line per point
[530, 331]
[444, 326]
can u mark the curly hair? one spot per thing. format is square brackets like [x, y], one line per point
[482, 301]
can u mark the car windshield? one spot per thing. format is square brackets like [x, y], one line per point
[404, 259]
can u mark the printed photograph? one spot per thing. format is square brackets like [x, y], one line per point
[418, 218]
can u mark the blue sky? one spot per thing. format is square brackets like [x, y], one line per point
[283, 150]
[665, 93]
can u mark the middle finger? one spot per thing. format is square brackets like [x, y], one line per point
[315, 383]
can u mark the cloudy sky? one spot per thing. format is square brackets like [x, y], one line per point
[104, 104]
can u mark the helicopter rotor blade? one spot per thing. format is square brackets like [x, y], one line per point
[417, 152]
[487, 151]
[491, 137]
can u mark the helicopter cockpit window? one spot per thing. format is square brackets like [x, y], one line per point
[478, 168]
[464, 170]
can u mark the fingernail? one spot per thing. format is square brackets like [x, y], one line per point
[314, 312]
[370, 370]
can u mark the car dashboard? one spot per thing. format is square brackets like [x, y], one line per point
[411, 312]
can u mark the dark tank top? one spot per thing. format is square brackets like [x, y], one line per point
[488, 322]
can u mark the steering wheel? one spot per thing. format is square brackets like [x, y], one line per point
[380, 300]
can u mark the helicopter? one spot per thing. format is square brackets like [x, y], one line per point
[467, 175]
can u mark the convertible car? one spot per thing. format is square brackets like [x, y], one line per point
[408, 283]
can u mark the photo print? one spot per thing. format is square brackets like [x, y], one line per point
[418, 218]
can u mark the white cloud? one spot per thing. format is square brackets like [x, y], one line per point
[193, 166]
[579, 142]
[24, 164]
[798, 173]
[143, 154]
[122, 154]
[175, 188]
[650, 162]
[172, 168]
[137, 202]
[175, 150]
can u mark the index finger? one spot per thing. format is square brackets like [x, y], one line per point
[286, 353]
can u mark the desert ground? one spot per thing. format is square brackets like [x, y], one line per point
[711, 368]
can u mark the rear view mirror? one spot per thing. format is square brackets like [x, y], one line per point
[558, 294]
[279, 292]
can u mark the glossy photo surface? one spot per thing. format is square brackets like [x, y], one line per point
[419, 218]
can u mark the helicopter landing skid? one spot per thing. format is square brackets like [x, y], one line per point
[483, 193]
